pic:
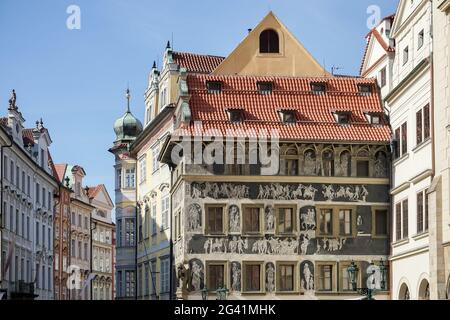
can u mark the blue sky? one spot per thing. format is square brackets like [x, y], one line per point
[76, 79]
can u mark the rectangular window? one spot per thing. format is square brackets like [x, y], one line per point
[23, 181]
[11, 172]
[119, 179]
[165, 213]
[265, 87]
[420, 212]
[419, 132]
[5, 166]
[147, 279]
[28, 228]
[325, 277]
[154, 225]
[86, 252]
[165, 279]
[362, 168]
[143, 171]
[286, 220]
[426, 122]
[214, 86]
[216, 278]
[37, 233]
[119, 233]
[365, 89]
[398, 221]
[252, 277]
[130, 284]
[155, 162]
[318, 88]
[405, 218]
[129, 232]
[80, 252]
[345, 222]
[153, 273]
[420, 39]
[215, 220]
[130, 175]
[18, 177]
[405, 55]
[28, 185]
[426, 209]
[404, 138]
[383, 79]
[326, 221]
[252, 221]
[38, 196]
[397, 153]
[381, 222]
[17, 222]
[286, 276]
[289, 167]
[72, 248]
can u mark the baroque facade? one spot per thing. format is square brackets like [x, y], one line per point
[27, 211]
[291, 233]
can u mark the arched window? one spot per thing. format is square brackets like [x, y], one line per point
[269, 42]
[310, 162]
[404, 292]
[289, 162]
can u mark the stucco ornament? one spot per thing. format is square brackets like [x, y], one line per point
[270, 278]
[217, 191]
[194, 217]
[270, 219]
[235, 218]
[236, 276]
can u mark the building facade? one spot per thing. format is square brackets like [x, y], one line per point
[126, 128]
[103, 235]
[27, 211]
[292, 232]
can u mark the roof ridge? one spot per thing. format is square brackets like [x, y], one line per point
[199, 54]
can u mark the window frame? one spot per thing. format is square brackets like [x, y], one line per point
[295, 275]
[375, 235]
[207, 230]
[335, 222]
[317, 277]
[245, 264]
[244, 207]
[294, 220]
[224, 265]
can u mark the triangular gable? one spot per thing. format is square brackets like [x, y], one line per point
[404, 11]
[102, 196]
[375, 50]
[293, 59]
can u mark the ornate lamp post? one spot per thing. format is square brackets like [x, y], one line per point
[371, 286]
[383, 272]
[204, 294]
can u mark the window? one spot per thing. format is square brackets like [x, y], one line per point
[165, 212]
[155, 162]
[383, 79]
[286, 277]
[11, 172]
[119, 232]
[423, 124]
[154, 219]
[79, 220]
[328, 163]
[380, 223]
[18, 222]
[80, 252]
[236, 115]
[405, 218]
[362, 168]
[318, 88]
[130, 284]
[252, 223]
[265, 87]
[5, 166]
[147, 279]
[72, 248]
[289, 162]
[130, 175]
[37, 233]
[129, 232]
[252, 278]
[28, 185]
[288, 116]
[326, 222]
[401, 220]
[422, 211]
[405, 55]
[269, 42]
[401, 147]
[42, 158]
[86, 252]
[286, 220]
[345, 222]
[215, 220]
[343, 117]
[38, 189]
[119, 179]
[165, 279]
[420, 39]
[365, 89]
[214, 86]
[345, 281]
[143, 171]
[153, 273]
[216, 276]
[18, 177]
[325, 275]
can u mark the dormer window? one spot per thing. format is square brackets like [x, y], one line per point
[365, 89]
[269, 42]
[265, 87]
[318, 88]
[214, 86]
[373, 118]
[342, 117]
[236, 115]
[288, 116]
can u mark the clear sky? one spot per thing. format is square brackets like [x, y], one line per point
[76, 79]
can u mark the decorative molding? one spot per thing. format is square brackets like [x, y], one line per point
[400, 188]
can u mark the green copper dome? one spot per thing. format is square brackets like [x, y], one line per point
[128, 127]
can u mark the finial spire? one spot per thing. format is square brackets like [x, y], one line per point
[154, 65]
[128, 96]
[168, 45]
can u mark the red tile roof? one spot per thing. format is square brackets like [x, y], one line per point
[314, 112]
[26, 133]
[93, 191]
[197, 63]
[60, 170]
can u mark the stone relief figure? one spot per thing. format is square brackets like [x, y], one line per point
[345, 164]
[181, 275]
[215, 246]
[357, 193]
[380, 165]
[332, 245]
[270, 278]
[359, 221]
[307, 276]
[310, 192]
[236, 276]
[328, 192]
[242, 245]
[270, 219]
[304, 244]
[308, 220]
[237, 245]
[196, 273]
[216, 191]
[194, 217]
[235, 219]
[310, 163]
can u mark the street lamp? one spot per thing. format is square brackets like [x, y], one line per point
[353, 274]
[383, 272]
[371, 287]
[204, 294]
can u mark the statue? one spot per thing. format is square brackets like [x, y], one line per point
[181, 275]
[12, 100]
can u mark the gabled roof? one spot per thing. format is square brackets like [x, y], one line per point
[314, 111]
[95, 190]
[60, 171]
[402, 17]
[197, 63]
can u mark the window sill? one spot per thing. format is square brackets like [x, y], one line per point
[422, 145]
[421, 235]
[401, 159]
[287, 292]
[400, 242]
[255, 293]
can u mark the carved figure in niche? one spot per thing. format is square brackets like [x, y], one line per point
[328, 192]
[194, 217]
[196, 191]
[181, 275]
[308, 278]
[236, 275]
[208, 246]
[269, 215]
[345, 164]
[364, 193]
[270, 278]
[380, 165]
[308, 220]
[310, 163]
[304, 245]
[359, 221]
[196, 275]
[235, 219]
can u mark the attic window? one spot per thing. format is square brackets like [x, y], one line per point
[374, 118]
[365, 89]
[288, 116]
[265, 87]
[318, 88]
[269, 42]
[342, 117]
[236, 115]
[214, 86]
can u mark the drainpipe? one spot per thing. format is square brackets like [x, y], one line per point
[1, 187]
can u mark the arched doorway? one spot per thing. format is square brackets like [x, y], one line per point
[424, 290]
[404, 292]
